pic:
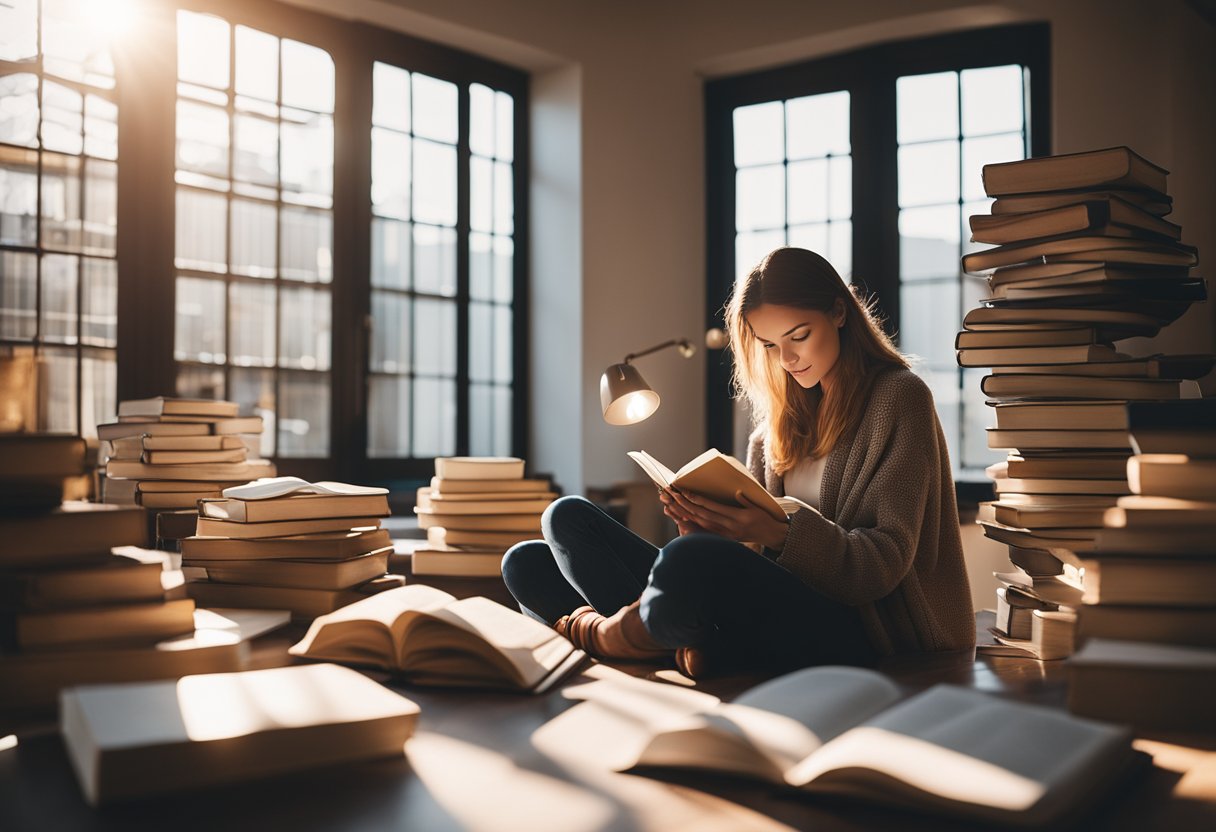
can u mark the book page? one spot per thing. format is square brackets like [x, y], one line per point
[969, 752]
[659, 473]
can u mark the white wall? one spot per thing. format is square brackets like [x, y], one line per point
[628, 163]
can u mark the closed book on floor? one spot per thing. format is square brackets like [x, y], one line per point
[193, 457]
[41, 455]
[1157, 204]
[1150, 512]
[1180, 427]
[1045, 485]
[1172, 475]
[1152, 367]
[443, 486]
[321, 546]
[1149, 580]
[1028, 440]
[301, 603]
[206, 471]
[133, 740]
[441, 505]
[172, 499]
[1020, 356]
[1014, 611]
[1151, 686]
[1121, 322]
[112, 580]
[1052, 637]
[1083, 246]
[991, 339]
[450, 560]
[1049, 516]
[1063, 219]
[1070, 540]
[481, 522]
[1066, 465]
[479, 467]
[1194, 626]
[1031, 386]
[70, 531]
[441, 536]
[304, 574]
[296, 507]
[117, 430]
[845, 732]
[211, 527]
[114, 624]
[164, 406]
[1111, 167]
[429, 637]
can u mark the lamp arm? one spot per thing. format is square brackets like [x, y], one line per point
[686, 349]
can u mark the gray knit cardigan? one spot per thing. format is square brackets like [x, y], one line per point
[886, 536]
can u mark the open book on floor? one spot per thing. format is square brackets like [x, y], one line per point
[429, 637]
[719, 477]
[844, 731]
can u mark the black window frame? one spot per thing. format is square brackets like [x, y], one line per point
[869, 75]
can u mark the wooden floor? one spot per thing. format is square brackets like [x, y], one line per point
[472, 765]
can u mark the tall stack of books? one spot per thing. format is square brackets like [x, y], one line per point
[1147, 622]
[286, 544]
[166, 454]
[473, 511]
[72, 611]
[1083, 258]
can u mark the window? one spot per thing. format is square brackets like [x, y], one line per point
[58, 206]
[325, 225]
[873, 159]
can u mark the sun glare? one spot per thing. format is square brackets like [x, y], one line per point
[113, 19]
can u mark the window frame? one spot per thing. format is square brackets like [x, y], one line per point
[146, 302]
[869, 75]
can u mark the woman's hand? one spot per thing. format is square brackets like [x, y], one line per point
[746, 523]
[684, 522]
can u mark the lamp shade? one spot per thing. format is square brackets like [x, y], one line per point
[625, 395]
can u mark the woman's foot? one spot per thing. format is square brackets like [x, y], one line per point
[693, 662]
[621, 635]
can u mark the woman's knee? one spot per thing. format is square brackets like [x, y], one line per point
[565, 511]
[524, 562]
[681, 558]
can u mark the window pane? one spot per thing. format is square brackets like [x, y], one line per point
[253, 238]
[200, 382]
[980, 206]
[504, 124]
[808, 187]
[19, 22]
[307, 240]
[59, 370]
[435, 337]
[304, 335]
[100, 206]
[928, 173]
[751, 247]
[304, 417]
[504, 269]
[929, 320]
[760, 198]
[100, 128]
[99, 319]
[926, 107]
[817, 125]
[434, 183]
[62, 118]
[481, 267]
[254, 391]
[481, 420]
[390, 333]
[18, 295]
[814, 237]
[251, 320]
[61, 222]
[481, 120]
[481, 194]
[308, 77]
[19, 115]
[308, 155]
[502, 420]
[980, 152]
[434, 417]
[481, 342]
[759, 134]
[840, 187]
[202, 231]
[257, 64]
[390, 254]
[840, 247]
[202, 49]
[390, 97]
[390, 174]
[257, 150]
[992, 100]
[59, 275]
[434, 108]
[504, 199]
[73, 44]
[18, 196]
[99, 380]
[199, 329]
[503, 344]
[202, 138]
[928, 242]
[435, 260]
[388, 417]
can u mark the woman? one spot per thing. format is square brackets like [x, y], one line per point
[873, 568]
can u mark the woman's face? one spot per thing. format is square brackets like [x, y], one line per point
[805, 342]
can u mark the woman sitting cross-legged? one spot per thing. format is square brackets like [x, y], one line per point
[875, 568]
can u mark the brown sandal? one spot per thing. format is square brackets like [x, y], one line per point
[621, 635]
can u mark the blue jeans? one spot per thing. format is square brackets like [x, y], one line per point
[700, 590]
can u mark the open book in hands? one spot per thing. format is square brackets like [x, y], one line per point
[430, 638]
[719, 477]
[844, 731]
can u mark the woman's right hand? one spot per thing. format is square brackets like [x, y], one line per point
[684, 523]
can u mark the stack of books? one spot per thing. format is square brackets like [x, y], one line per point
[473, 511]
[166, 454]
[71, 610]
[1147, 618]
[286, 544]
[1083, 259]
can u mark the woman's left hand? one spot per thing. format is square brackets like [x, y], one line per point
[746, 523]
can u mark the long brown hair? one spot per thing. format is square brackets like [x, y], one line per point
[803, 422]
